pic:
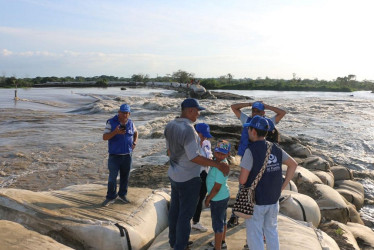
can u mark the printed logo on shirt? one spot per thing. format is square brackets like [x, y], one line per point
[273, 164]
[272, 159]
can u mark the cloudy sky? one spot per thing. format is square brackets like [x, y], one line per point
[321, 39]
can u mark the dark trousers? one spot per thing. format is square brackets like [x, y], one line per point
[203, 191]
[184, 196]
[121, 164]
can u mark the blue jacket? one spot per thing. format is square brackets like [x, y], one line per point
[121, 144]
[268, 189]
[244, 139]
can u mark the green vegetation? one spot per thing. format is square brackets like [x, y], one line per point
[340, 84]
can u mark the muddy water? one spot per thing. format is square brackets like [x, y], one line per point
[52, 137]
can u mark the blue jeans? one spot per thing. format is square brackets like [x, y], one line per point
[184, 198]
[121, 164]
[218, 214]
[263, 222]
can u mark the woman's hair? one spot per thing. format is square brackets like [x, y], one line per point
[273, 136]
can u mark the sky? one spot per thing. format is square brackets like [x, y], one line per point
[279, 39]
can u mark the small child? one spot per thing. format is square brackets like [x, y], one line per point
[218, 195]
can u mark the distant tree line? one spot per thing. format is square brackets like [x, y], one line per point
[341, 84]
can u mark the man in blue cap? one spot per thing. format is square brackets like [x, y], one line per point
[268, 190]
[182, 143]
[258, 108]
[122, 136]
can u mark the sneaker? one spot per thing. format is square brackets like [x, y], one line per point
[233, 222]
[199, 227]
[223, 245]
[123, 199]
[107, 202]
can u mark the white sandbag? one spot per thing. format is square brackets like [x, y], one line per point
[298, 150]
[175, 84]
[363, 234]
[353, 191]
[293, 235]
[198, 88]
[316, 163]
[341, 234]
[354, 215]
[184, 85]
[341, 173]
[76, 216]
[291, 186]
[302, 176]
[299, 207]
[331, 203]
[326, 177]
[296, 235]
[16, 236]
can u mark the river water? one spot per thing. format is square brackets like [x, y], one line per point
[52, 137]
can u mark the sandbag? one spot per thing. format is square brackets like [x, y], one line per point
[363, 234]
[341, 234]
[331, 203]
[16, 236]
[302, 175]
[299, 207]
[75, 215]
[353, 191]
[354, 215]
[298, 150]
[291, 186]
[316, 163]
[296, 235]
[341, 173]
[326, 177]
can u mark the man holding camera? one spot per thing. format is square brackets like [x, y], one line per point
[121, 134]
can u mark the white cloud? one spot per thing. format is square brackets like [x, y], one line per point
[6, 52]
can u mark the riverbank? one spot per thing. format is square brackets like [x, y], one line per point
[67, 215]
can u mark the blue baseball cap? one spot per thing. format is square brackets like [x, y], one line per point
[258, 105]
[271, 124]
[258, 122]
[223, 146]
[191, 103]
[125, 108]
[204, 129]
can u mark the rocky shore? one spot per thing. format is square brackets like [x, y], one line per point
[324, 196]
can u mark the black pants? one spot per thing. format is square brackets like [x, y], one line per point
[203, 191]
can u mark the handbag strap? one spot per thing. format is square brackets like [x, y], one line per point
[259, 175]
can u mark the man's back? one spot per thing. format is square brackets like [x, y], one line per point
[182, 143]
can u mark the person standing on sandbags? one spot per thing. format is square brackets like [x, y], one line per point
[269, 187]
[257, 108]
[122, 136]
[182, 144]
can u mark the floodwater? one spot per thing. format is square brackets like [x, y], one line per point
[52, 137]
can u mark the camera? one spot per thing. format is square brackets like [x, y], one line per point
[123, 127]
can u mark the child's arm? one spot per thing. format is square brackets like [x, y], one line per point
[213, 192]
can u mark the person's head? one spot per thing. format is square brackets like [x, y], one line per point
[124, 112]
[272, 135]
[203, 130]
[222, 150]
[258, 108]
[191, 109]
[257, 128]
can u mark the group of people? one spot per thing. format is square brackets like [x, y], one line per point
[198, 175]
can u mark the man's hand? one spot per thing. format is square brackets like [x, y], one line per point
[120, 131]
[224, 168]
